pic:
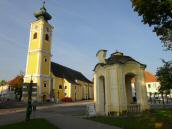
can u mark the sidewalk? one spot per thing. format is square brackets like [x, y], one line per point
[59, 120]
[68, 122]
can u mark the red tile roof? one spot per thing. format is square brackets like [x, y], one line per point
[16, 82]
[149, 77]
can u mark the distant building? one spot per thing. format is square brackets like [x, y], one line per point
[53, 81]
[6, 92]
[152, 83]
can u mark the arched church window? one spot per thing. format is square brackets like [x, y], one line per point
[47, 37]
[60, 86]
[45, 59]
[45, 84]
[35, 35]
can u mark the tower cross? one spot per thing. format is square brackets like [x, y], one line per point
[44, 2]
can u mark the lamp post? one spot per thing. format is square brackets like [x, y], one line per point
[29, 103]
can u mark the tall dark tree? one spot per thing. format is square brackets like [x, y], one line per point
[157, 14]
[164, 75]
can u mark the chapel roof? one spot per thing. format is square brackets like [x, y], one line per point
[121, 59]
[67, 73]
[118, 58]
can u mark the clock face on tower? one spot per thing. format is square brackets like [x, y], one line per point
[47, 29]
[36, 27]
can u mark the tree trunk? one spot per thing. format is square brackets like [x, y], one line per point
[162, 99]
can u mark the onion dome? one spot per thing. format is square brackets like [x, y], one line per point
[43, 14]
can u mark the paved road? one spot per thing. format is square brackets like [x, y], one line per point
[74, 104]
[156, 106]
[65, 116]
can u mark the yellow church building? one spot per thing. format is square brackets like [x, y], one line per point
[53, 81]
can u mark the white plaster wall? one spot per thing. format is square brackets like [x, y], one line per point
[154, 86]
[98, 73]
[112, 89]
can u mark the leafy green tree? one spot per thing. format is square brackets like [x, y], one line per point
[157, 14]
[2, 82]
[17, 84]
[164, 75]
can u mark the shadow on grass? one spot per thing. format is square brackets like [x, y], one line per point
[32, 124]
[153, 119]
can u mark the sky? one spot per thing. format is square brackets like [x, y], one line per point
[81, 28]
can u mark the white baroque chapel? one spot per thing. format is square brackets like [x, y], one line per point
[112, 84]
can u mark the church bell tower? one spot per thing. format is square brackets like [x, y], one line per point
[38, 66]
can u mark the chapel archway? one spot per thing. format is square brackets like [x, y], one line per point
[130, 88]
[102, 94]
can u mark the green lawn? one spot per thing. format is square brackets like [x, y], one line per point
[154, 119]
[32, 124]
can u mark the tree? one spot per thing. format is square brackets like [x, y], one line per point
[157, 14]
[3, 82]
[164, 75]
[17, 84]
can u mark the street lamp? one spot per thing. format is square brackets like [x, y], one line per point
[29, 103]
